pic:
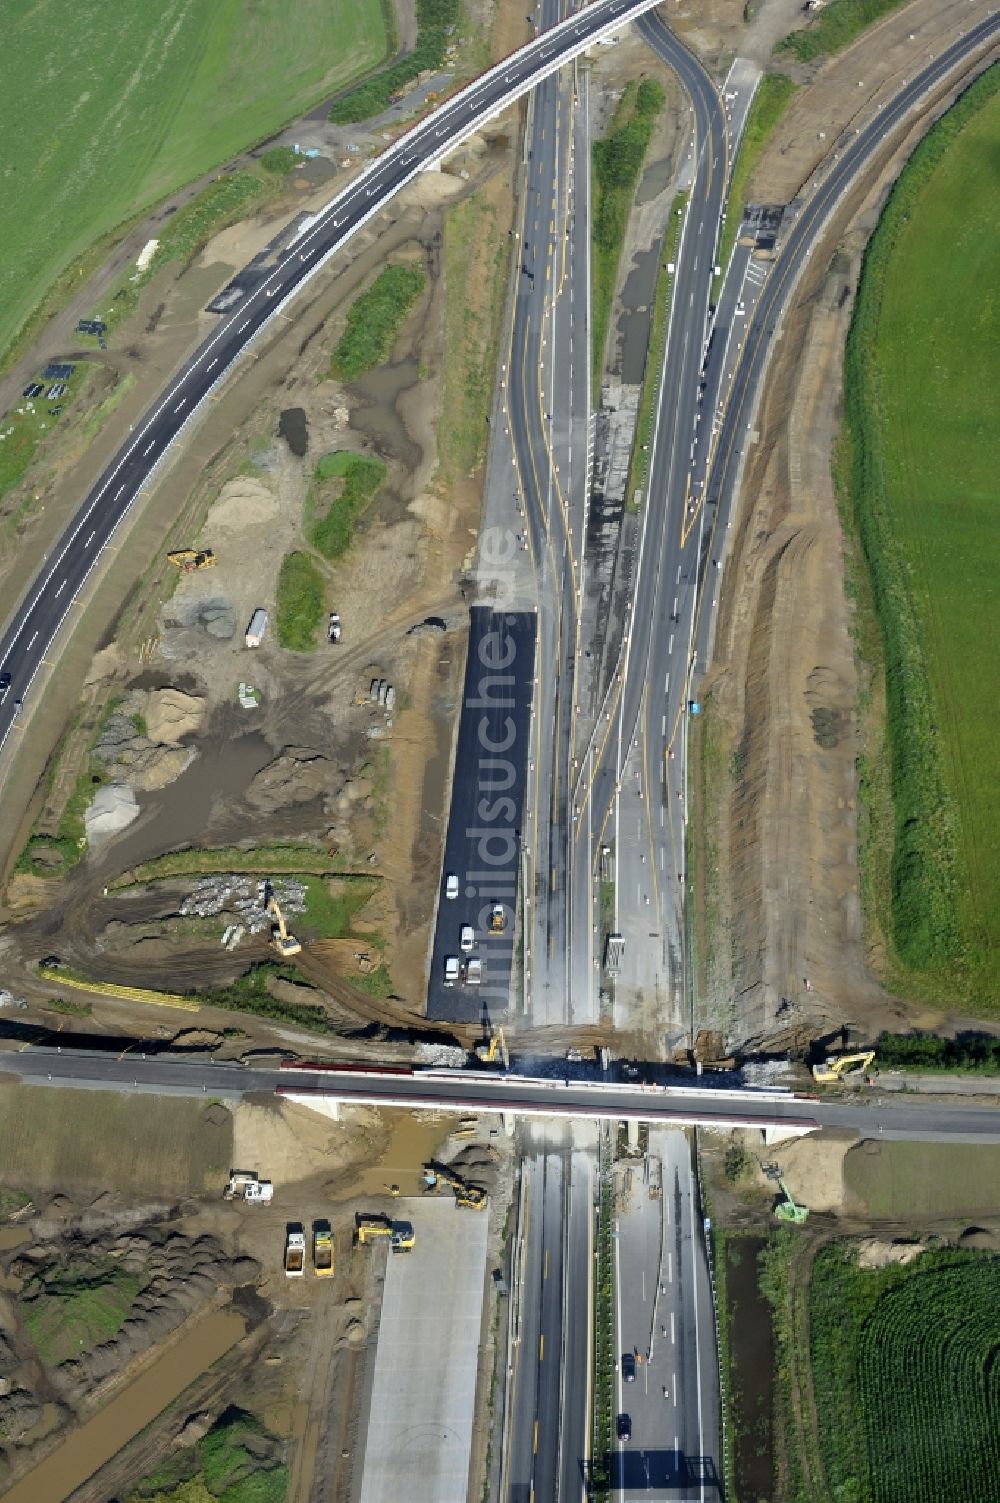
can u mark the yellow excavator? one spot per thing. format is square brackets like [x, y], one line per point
[468, 1197]
[371, 1228]
[286, 944]
[190, 559]
[837, 1066]
[494, 1049]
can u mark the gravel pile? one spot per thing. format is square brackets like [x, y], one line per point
[243, 897]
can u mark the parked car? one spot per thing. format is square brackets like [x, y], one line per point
[450, 970]
[467, 939]
[451, 886]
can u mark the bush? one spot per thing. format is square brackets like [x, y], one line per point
[836, 28]
[436, 21]
[279, 160]
[299, 602]
[362, 478]
[374, 320]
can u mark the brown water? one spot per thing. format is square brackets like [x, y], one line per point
[181, 812]
[751, 1372]
[412, 1142]
[95, 1442]
[13, 1236]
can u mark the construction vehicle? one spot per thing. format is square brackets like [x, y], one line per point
[400, 1234]
[788, 1210]
[839, 1065]
[467, 1197]
[322, 1249]
[286, 944]
[295, 1252]
[190, 559]
[334, 629]
[496, 1048]
[245, 1184]
[498, 919]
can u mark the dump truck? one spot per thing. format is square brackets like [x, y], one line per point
[323, 1249]
[295, 1252]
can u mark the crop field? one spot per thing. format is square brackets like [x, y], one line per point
[105, 109]
[923, 452]
[906, 1361]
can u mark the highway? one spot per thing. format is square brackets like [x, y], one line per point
[620, 786]
[585, 1096]
[50, 597]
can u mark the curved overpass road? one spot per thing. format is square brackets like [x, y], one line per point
[49, 598]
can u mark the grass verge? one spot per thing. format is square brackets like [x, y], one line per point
[617, 162]
[835, 28]
[605, 1356]
[375, 318]
[662, 296]
[300, 602]
[774, 95]
[288, 856]
[919, 457]
[437, 22]
[475, 259]
[344, 486]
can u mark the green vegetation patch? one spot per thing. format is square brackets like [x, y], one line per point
[249, 993]
[375, 318]
[75, 1304]
[774, 95]
[237, 1461]
[279, 160]
[136, 101]
[300, 602]
[437, 21]
[923, 1179]
[922, 450]
[475, 257]
[617, 162]
[344, 486]
[269, 857]
[973, 1053]
[331, 906]
[26, 426]
[906, 1359]
[835, 28]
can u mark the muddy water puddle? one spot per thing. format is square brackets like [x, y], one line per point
[751, 1371]
[100, 1438]
[637, 313]
[181, 813]
[293, 427]
[411, 1144]
[378, 418]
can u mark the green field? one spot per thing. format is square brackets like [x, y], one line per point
[906, 1377]
[105, 109]
[921, 459]
[898, 1180]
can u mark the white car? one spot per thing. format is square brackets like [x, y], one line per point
[450, 970]
[467, 940]
[451, 886]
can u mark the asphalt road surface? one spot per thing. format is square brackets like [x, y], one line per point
[51, 596]
[867, 1113]
[483, 843]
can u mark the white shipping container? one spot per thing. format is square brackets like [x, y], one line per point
[257, 627]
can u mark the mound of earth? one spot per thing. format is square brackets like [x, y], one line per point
[978, 1236]
[20, 1412]
[294, 777]
[171, 714]
[874, 1253]
[114, 807]
[242, 503]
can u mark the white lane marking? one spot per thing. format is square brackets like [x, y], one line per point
[60, 589]
[674, 1390]
[670, 1268]
[243, 326]
[119, 491]
[673, 1336]
[180, 404]
[32, 642]
[149, 448]
[90, 540]
[212, 362]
